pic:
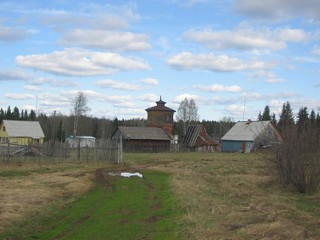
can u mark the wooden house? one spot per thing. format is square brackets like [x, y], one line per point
[197, 139]
[247, 136]
[161, 116]
[21, 133]
[143, 139]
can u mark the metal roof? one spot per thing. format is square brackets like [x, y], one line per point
[194, 137]
[246, 130]
[191, 136]
[23, 129]
[144, 133]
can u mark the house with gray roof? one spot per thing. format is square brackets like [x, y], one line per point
[143, 139]
[247, 136]
[21, 132]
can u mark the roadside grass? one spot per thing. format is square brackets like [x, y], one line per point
[237, 196]
[125, 208]
[182, 196]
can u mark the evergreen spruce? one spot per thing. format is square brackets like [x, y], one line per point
[266, 114]
[286, 117]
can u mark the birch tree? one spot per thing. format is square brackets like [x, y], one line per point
[79, 108]
[187, 112]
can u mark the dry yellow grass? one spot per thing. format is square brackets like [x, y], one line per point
[236, 198]
[222, 196]
[31, 190]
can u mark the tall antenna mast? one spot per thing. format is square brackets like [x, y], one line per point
[36, 106]
[244, 108]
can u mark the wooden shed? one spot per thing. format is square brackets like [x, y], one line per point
[143, 139]
[247, 136]
[21, 132]
[84, 141]
[197, 139]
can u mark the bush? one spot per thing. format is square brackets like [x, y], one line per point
[298, 159]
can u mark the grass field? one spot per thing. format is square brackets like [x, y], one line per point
[181, 196]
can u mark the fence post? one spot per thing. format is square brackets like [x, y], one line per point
[8, 151]
[78, 150]
[120, 149]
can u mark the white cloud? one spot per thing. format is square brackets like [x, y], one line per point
[90, 15]
[93, 95]
[266, 76]
[8, 34]
[19, 96]
[118, 98]
[14, 74]
[149, 97]
[275, 80]
[222, 100]
[275, 103]
[79, 62]
[55, 100]
[278, 9]
[117, 85]
[126, 105]
[246, 39]
[252, 96]
[29, 107]
[219, 88]
[32, 88]
[63, 100]
[178, 99]
[234, 109]
[150, 81]
[102, 39]
[133, 113]
[211, 62]
[52, 82]
[292, 35]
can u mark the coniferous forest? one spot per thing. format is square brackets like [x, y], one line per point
[58, 126]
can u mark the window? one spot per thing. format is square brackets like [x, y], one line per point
[4, 129]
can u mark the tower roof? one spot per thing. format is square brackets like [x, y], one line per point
[160, 107]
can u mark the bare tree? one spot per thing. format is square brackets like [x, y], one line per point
[187, 112]
[79, 108]
[226, 123]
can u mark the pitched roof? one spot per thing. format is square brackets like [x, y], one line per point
[160, 107]
[23, 129]
[144, 133]
[196, 135]
[246, 130]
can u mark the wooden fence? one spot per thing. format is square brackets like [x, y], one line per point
[104, 151]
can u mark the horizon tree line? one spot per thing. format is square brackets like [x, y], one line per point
[59, 126]
[302, 120]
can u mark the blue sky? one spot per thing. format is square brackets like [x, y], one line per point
[233, 57]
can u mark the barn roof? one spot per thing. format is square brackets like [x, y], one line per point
[196, 136]
[23, 129]
[246, 130]
[144, 133]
